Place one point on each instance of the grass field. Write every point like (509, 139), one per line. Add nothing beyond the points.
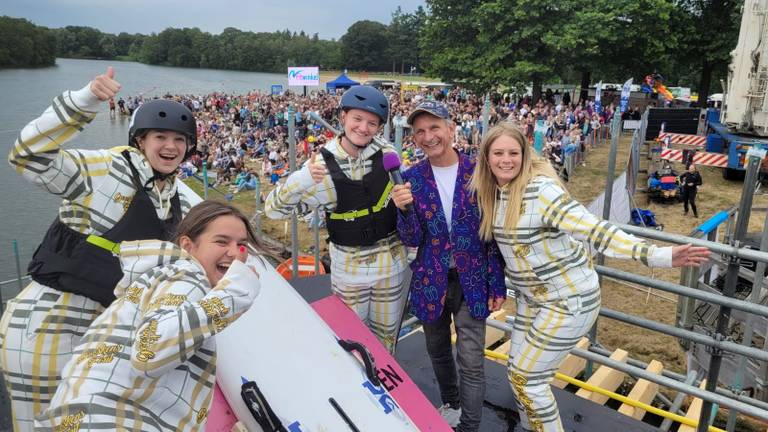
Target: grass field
(716, 194)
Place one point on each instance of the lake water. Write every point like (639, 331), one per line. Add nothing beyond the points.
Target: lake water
(26, 211)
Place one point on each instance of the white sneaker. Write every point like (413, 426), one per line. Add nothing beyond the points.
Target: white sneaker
(450, 415)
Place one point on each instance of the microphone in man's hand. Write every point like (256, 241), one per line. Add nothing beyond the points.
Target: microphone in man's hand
(392, 165)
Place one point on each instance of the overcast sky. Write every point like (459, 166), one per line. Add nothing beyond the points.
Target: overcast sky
(330, 19)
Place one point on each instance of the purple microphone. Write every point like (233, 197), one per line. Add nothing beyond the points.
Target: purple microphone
(392, 165)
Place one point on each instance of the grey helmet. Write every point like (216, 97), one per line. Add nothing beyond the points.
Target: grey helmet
(162, 114)
(366, 98)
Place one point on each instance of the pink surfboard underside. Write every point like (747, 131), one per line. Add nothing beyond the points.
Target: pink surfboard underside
(221, 418)
(347, 325)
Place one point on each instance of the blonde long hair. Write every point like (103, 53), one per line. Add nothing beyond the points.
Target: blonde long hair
(483, 182)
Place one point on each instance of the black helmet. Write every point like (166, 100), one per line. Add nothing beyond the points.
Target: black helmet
(162, 114)
(366, 98)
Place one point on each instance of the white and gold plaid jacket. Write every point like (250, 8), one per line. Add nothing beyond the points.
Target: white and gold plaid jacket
(95, 185)
(358, 265)
(545, 257)
(149, 361)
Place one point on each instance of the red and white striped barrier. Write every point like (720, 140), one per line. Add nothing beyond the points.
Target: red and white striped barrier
(685, 139)
(699, 158)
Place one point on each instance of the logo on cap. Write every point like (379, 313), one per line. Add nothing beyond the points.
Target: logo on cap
(437, 109)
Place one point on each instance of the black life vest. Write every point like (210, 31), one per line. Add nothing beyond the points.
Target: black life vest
(67, 262)
(364, 211)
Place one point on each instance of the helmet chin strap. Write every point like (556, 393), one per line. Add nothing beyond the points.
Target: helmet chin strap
(158, 176)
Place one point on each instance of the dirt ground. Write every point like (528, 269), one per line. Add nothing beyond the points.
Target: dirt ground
(714, 195)
(586, 184)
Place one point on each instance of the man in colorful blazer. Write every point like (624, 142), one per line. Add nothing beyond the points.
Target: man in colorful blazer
(456, 276)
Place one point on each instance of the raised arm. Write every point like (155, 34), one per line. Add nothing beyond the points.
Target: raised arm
(177, 318)
(38, 155)
(306, 186)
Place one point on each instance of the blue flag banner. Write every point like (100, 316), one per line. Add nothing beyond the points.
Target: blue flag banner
(538, 135)
(626, 89)
(598, 91)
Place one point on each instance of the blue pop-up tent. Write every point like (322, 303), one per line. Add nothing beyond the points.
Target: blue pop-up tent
(342, 81)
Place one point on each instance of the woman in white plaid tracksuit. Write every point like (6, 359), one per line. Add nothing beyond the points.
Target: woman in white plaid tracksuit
(539, 229)
(148, 363)
(123, 193)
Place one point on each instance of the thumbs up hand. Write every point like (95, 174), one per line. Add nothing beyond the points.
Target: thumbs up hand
(104, 86)
(317, 170)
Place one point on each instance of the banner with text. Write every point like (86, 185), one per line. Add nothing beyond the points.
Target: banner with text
(304, 76)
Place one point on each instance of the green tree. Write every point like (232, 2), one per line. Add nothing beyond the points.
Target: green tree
(190, 47)
(23, 44)
(613, 39)
(487, 44)
(108, 46)
(449, 42)
(83, 42)
(365, 46)
(405, 32)
(151, 52)
(709, 30)
(126, 44)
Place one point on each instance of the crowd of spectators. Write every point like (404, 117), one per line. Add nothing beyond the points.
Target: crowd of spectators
(244, 138)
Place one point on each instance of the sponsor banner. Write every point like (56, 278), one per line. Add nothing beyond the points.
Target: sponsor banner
(304, 76)
(626, 89)
(598, 104)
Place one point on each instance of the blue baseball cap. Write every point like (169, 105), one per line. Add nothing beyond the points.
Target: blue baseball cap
(437, 109)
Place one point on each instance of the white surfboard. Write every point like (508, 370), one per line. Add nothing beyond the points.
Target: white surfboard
(309, 382)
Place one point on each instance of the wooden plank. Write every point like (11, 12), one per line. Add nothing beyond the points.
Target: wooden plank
(572, 365)
(644, 391)
(694, 410)
(492, 334)
(605, 378)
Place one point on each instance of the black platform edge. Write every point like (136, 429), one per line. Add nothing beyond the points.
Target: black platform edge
(499, 411)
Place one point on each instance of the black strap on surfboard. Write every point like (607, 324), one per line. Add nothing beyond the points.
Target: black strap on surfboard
(343, 415)
(370, 365)
(259, 407)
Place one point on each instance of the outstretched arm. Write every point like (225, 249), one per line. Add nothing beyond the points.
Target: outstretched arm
(38, 154)
(566, 214)
(689, 256)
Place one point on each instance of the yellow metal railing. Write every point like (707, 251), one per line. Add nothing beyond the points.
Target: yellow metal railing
(615, 396)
